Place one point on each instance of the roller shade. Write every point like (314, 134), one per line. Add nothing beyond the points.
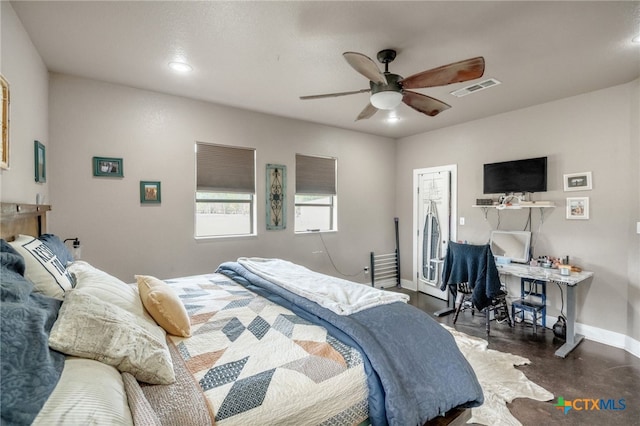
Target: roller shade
(315, 175)
(225, 169)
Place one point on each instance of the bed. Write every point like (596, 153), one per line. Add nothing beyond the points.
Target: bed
(241, 345)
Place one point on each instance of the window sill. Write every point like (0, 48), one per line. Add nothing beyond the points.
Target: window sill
(224, 237)
(316, 231)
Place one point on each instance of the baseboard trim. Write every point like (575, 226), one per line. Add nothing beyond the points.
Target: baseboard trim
(607, 337)
(610, 338)
(389, 284)
(409, 285)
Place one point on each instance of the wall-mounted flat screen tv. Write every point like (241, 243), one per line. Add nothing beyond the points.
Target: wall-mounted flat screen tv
(529, 175)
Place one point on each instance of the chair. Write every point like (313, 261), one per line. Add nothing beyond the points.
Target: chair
(471, 275)
(498, 306)
(533, 299)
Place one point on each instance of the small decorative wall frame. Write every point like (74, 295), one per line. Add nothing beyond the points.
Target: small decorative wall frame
(40, 162)
(578, 208)
(4, 116)
(150, 192)
(577, 181)
(108, 167)
(276, 196)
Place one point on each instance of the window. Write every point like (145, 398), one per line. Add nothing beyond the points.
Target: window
(225, 190)
(315, 199)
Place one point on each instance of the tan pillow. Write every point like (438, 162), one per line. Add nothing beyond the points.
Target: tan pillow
(89, 327)
(164, 305)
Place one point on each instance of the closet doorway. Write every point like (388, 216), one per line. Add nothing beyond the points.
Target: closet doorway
(434, 214)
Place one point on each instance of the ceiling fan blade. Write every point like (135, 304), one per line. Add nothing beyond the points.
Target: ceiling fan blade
(365, 66)
(424, 104)
(334, 95)
(367, 112)
(457, 72)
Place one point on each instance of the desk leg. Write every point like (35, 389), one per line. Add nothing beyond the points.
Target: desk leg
(573, 339)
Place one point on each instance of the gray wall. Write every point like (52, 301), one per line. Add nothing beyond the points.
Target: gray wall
(28, 83)
(77, 119)
(595, 132)
(155, 135)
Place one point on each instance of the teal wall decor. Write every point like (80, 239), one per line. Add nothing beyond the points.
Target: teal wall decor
(40, 162)
(150, 192)
(276, 196)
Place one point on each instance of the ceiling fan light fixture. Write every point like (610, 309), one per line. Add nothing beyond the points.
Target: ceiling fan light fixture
(386, 100)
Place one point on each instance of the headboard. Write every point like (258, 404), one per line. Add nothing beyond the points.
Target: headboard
(27, 219)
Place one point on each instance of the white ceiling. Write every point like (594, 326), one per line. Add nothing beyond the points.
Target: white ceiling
(262, 56)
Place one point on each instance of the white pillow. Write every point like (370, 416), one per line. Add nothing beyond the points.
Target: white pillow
(43, 268)
(88, 392)
(107, 288)
(89, 327)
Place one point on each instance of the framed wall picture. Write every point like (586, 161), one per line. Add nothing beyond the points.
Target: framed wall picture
(108, 167)
(276, 184)
(4, 116)
(577, 181)
(578, 208)
(40, 162)
(150, 192)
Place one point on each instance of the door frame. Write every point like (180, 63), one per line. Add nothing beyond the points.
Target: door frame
(453, 225)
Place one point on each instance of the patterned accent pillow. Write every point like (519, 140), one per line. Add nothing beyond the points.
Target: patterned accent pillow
(44, 269)
(164, 305)
(58, 247)
(89, 327)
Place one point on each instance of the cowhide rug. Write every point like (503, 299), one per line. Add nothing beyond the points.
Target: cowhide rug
(500, 381)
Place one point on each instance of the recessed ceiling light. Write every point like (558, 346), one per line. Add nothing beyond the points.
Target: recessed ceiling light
(636, 39)
(180, 66)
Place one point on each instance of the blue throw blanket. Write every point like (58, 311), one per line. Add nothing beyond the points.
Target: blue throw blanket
(414, 369)
(473, 264)
(30, 370)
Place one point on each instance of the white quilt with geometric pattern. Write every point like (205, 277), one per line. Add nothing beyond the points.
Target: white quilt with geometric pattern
(259, 363)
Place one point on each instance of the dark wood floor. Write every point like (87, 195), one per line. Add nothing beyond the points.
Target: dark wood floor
(591, 371)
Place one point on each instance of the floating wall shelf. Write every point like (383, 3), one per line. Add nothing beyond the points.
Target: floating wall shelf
(528, 205)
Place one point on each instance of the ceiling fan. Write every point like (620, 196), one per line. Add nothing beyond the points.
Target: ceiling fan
(389, 90)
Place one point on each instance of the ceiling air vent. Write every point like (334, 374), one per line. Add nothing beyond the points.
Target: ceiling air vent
(476, 87)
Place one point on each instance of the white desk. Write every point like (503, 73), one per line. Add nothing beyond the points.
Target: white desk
(553, 276)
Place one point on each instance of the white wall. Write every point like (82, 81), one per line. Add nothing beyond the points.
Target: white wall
(595, 132)
(155, 136)
(28, 84)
